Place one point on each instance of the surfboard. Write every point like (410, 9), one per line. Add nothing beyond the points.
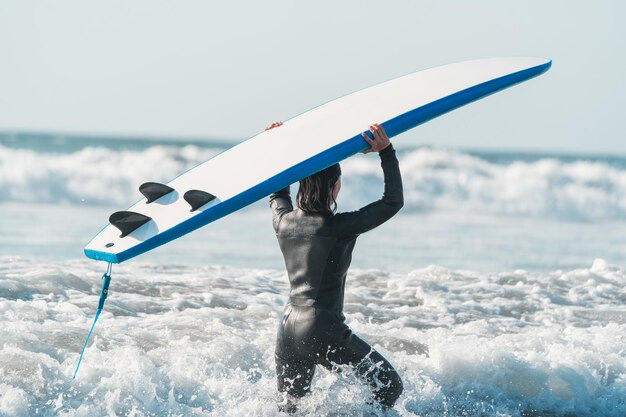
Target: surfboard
(305, 144)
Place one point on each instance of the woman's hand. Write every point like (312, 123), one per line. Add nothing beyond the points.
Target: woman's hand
(273, 125)
(380, 141)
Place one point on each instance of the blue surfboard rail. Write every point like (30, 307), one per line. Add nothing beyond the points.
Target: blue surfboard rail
(343, 150)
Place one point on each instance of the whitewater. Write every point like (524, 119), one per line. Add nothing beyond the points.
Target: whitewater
(434, 179)
(499, 290)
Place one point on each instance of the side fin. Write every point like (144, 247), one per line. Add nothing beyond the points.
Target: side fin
(197, 198)
(153, 190)
(128, 221)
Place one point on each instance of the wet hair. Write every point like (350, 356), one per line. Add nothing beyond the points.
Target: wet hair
(315, 193)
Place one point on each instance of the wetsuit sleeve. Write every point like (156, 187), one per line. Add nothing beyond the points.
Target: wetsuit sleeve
(280, 202)
(378, 212)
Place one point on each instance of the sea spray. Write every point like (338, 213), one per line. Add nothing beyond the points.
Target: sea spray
(177, 340)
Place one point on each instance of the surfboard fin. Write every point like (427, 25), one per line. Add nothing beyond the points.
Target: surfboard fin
(128, 221)
(197, 198)
(153, 191)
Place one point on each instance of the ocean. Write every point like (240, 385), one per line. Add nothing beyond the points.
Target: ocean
(498, 290)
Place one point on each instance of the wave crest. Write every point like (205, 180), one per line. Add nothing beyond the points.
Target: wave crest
(92, 175)
(434, 179)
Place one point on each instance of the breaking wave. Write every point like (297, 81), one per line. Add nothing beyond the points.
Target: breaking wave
(434, 179)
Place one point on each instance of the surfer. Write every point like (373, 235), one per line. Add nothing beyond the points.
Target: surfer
(317, 245)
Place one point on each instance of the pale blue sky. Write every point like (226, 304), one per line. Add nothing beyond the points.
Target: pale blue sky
(228, 68)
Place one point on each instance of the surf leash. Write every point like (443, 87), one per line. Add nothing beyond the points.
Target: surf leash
(106, 280)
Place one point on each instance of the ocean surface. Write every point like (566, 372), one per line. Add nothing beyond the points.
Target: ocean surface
(498, 290)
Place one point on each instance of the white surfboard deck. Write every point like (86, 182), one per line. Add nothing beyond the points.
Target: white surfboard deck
(308, 143)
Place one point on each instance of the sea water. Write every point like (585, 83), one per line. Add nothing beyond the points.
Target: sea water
(499, 289)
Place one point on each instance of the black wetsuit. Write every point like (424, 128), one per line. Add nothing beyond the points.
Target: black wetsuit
(318, 251)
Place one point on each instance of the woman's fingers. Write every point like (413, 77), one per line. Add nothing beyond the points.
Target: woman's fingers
(374, 141)
(369, 141)
(273, 125)
(379, 141)
(376, 132)
(382, 136)
(381, 131)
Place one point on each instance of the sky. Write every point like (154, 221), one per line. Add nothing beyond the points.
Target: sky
(226, 69)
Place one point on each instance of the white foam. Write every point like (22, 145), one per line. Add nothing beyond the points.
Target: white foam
(434, 179)
(177, 340)
(93, 175)
(447, 180)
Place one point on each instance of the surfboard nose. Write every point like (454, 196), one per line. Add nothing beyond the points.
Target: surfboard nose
(541, 65)
(546, 63)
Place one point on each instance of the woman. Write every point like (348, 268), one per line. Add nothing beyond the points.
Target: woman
(317, 246)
